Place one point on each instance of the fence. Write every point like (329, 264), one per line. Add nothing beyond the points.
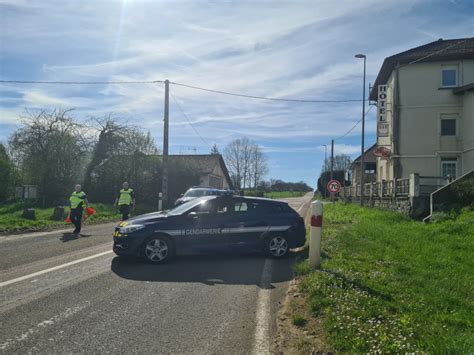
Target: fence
(415, 185)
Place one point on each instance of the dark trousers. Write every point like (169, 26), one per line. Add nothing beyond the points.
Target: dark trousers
(125, 211)
(76, 219)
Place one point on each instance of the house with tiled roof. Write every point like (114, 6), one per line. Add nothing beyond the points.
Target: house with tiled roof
(211, 167)
(425, 116)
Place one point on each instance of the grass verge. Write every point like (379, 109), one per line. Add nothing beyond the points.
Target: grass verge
(284, 194)
(11, 220)
(390, 284)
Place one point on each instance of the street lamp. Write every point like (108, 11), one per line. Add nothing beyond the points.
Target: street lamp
(362, 170)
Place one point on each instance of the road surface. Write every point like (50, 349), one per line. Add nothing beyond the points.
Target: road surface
(61, 295)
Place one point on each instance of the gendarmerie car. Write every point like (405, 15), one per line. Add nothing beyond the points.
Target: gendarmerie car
(212, 223)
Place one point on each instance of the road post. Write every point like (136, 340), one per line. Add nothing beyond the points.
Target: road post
(160, 201)
(316, 231)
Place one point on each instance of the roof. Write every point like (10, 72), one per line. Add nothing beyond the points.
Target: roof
(205, 162)
(369, 156)
(462, 89)
(440, 50)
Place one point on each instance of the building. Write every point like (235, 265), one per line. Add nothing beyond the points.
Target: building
(370, 162)
(425, 113)
(212, 169)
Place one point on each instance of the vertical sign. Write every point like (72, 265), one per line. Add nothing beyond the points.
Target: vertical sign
(382, 104)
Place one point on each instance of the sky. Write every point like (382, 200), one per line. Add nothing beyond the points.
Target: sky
(283, 49)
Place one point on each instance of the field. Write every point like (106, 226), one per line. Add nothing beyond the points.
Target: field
(11, 220)
(284, 194)
(390, 284)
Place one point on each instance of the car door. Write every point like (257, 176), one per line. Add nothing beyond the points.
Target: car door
(249, 221)
(204, 225)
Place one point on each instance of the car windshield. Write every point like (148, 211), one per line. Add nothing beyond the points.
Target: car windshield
(185, 207)
(195, 193)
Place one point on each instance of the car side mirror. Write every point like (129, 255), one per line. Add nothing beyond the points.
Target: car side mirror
(192, 215)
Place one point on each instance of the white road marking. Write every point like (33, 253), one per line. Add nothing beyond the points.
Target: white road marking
(262, 316)
(69, 312)
(26, 277)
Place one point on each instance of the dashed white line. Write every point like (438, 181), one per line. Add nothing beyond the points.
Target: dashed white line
(262, 316)
(38, 273)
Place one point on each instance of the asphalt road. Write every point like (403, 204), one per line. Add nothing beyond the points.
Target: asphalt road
(62, 295)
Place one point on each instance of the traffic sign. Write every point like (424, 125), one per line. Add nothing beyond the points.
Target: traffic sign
(334, 186)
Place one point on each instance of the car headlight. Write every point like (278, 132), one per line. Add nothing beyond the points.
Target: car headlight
(131, 228)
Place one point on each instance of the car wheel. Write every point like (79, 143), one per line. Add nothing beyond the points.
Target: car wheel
(158, 250)
(277, 246)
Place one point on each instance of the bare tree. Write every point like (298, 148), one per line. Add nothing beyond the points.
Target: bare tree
(246, 162)
(258, 167)
(342, 162)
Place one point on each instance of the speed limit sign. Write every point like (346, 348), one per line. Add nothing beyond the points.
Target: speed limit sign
(334, 186)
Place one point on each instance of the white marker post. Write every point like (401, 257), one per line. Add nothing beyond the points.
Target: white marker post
(315, 234)
(160, 201)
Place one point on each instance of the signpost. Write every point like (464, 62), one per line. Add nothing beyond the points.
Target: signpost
(382, 152)
(334, 186)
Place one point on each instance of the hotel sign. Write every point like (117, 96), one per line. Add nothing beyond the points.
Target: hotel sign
(382, 104)
(383, 128)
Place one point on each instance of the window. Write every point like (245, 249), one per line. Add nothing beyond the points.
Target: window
(370, 168)
(448, 127)
(449, 76)
(240, 207)
(449, 167)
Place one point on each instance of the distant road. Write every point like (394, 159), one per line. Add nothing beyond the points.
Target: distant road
(74, 296)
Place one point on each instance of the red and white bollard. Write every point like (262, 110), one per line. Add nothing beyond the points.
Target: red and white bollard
(315, 234)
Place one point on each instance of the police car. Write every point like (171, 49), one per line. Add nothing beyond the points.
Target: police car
(212, 223)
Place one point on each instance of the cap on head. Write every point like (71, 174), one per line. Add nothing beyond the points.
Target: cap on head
(78, 187)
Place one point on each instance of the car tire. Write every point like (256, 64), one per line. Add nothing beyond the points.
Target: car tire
(277, 246)
(158, 249)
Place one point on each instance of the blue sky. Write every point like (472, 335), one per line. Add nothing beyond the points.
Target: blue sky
(286, 49)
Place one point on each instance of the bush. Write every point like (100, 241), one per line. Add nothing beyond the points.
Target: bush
(464, 192)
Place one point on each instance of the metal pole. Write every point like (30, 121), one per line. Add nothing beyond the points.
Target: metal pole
(332, 158)
(332, 166)
(362, 150)
(164, 181)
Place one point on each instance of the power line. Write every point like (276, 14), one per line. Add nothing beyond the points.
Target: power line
(354, 126)
(79, 82)
(189, 121)
(261, 97)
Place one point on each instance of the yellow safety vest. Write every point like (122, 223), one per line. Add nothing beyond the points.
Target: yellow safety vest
(125, 197)
(76, 199)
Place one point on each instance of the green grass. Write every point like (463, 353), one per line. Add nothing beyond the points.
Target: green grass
(298, 320)
(390, 284)
(284, 194)
(11, 220)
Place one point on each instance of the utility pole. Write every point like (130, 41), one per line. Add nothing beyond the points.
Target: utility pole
(164, 178)
(332, 166)
(362, 167)
(332, 158)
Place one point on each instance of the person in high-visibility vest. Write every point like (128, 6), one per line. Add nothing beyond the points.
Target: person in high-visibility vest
(125, 200)
(77, 202)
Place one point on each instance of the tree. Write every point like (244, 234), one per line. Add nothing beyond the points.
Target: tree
(50, 149)
(7, 174)
(258, 166)
(122, 153)
(341, 162)
(215, 150)
(246, 162)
